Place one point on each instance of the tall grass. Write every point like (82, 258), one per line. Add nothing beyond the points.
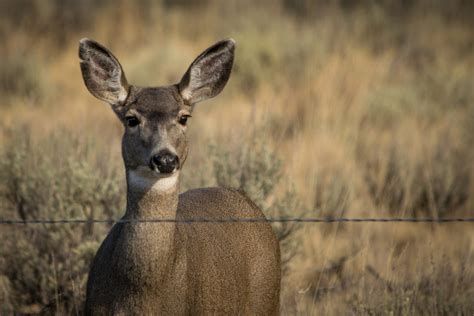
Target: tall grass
(333, 109)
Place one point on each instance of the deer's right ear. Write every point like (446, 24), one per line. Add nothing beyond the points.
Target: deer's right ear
(102, 73)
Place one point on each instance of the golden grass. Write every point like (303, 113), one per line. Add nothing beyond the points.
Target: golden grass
(372, 115)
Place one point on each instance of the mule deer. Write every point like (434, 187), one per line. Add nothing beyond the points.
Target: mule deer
(175, 268)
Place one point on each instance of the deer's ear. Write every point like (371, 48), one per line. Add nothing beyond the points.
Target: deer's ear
(102, 73)
(208, 74)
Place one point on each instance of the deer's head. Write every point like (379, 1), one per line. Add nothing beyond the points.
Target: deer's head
(155, 144)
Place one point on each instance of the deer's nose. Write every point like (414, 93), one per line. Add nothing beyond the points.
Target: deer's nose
(165, 161)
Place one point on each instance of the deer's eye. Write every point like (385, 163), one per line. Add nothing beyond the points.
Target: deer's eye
(132, 121)
(183, 119)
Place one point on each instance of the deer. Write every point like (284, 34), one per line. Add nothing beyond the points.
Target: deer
(175, 267)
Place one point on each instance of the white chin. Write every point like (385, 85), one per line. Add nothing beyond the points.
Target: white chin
(147, 179)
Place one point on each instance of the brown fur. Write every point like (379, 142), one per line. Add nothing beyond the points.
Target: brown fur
(176, 268)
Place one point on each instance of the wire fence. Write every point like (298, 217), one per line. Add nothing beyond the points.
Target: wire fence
(241, 220)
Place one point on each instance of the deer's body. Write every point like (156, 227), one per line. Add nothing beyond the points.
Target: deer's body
(204, 268)
(176, 268)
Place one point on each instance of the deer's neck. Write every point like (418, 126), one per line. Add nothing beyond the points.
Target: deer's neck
(149, 246)
(151, 197)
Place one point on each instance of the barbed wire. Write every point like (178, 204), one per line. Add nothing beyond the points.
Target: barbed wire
(241, 220)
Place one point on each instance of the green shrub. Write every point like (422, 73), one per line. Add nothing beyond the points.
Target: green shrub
(46, 265)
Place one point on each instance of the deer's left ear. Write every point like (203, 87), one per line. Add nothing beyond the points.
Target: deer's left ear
(209, 73)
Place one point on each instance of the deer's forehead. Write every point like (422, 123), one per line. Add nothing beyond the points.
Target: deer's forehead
(157, 101)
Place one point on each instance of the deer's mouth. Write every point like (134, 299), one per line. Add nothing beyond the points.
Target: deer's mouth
(152, 173)
(164, 173)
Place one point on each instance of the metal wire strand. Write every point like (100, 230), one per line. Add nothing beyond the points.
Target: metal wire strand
(241, 220)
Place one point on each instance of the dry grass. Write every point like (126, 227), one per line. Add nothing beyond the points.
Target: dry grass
(369, 108)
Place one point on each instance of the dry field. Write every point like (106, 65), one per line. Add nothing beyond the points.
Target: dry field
(334, 108)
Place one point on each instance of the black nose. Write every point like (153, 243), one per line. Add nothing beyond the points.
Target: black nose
(165, 161)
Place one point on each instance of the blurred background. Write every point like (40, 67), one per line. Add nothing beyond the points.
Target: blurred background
(334, 108)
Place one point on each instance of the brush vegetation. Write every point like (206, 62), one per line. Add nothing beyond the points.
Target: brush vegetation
(334, 108)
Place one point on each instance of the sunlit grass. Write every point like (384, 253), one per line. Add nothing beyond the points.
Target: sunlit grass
(369, 111)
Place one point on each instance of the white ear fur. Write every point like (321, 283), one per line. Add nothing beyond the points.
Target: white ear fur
(102, 73)
(209, 72)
